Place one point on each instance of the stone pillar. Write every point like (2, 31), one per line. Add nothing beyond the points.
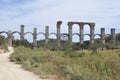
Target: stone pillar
(81, 33)
(22, 32)
(92, 33)
(46, 34)
(113, 36)
(103, 35)
(9, 38)
(58, 32)
(70, 32)
(35, 38)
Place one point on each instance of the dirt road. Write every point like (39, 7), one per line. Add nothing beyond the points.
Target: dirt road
(11, 71)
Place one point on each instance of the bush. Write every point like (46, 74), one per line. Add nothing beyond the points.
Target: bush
(69, 65)
(110, 46)
(74, 54)
(3, 43)
(94, 48)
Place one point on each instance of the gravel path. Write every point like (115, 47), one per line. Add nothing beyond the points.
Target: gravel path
(11, 71)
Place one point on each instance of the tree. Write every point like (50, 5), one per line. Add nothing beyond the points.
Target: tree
(3, 43)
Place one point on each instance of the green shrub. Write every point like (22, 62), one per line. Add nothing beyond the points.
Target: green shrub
(110, 46)
(72, 54)
(3, 43)
(68, 65)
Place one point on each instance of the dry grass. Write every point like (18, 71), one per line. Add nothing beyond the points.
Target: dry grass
(71, 65)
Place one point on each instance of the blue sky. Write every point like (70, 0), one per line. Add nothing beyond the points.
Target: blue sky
(41, 13)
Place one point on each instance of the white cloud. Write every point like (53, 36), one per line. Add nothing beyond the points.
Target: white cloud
(39, 13)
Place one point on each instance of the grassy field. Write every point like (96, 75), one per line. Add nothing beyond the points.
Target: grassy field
(70, 65)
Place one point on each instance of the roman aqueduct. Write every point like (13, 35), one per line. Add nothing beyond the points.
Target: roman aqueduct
(59, 34)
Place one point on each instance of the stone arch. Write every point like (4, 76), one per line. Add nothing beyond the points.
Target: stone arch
(29, 33)
(16, 32)
(52, 38)
(40, 39)
(4, 32)
(53, 34)
(75, 34)
(91, 25)
(87, 39)
(81, 25)
(40, 34)
(15, 37)
(75, 28)
(70, 25)
(88, 36)
(97, 35)
(98, 38)
(64, 34)
(86, 29)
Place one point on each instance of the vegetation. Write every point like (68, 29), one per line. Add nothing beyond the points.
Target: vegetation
(65, 44)
(70, 65)
(24, 43)
(3, 43)
(52, 45)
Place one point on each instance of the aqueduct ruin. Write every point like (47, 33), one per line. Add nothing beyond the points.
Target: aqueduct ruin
(59, 34)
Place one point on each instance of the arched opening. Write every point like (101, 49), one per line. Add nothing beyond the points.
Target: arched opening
(16, 39)
(28, 40)
(29, 37)
(87, 40)
(76, 42)
(65, 44)
(16, 36)
(97, 39)
(53, 36)
(52, 41)
(86, 37)
(75, 38)
(107, 38)
(4, 35)
(64, 37)
(86, 31)
(40, 40)
(41, 37)
(75, 28)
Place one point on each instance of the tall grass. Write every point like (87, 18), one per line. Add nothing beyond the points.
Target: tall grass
(70, 65)
(3, 43)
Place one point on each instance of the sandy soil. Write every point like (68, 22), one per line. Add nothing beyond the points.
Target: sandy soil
(12, 71)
